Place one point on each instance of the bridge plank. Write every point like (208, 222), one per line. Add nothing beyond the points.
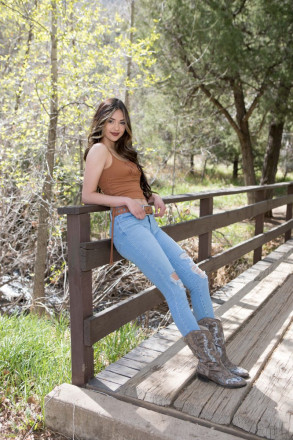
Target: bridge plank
(155, 383)
(248, 279)
(143, 355)
(251, 347)
(123, 370)
(267, 410)
(130, 363)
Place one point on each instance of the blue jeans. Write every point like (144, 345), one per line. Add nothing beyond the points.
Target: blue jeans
(167, 266)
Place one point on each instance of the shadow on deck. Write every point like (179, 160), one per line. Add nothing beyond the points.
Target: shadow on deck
(153, 392)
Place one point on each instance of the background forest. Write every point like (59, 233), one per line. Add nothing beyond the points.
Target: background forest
(209, 88)
(207, 83)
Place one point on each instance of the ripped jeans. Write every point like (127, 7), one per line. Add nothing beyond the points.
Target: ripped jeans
(167, 266)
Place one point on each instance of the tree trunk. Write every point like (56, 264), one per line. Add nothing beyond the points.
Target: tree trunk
(44, 211)
(203, 171)
(244, 137)
(129, 59)
(272, 158)
(235, 167)
(26, 56)
(272, 155)
(274, 144)
(191, 171)
(242, 117)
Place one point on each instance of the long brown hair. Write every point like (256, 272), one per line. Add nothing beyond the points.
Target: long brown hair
(123, 146)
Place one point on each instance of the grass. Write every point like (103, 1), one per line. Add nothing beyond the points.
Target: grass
(35, 357)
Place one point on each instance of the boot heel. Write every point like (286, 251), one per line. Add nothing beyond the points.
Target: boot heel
(202, 377)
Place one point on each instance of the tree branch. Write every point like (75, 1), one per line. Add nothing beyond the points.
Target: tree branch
(239, 10)
(254, 103)
(222, 109)
(24, 16)
(205, 90)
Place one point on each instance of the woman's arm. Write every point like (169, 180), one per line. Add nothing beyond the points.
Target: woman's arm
(95, 163)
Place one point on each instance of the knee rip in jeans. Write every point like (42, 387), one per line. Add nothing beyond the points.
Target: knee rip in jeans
(194, 267)
(176, 280)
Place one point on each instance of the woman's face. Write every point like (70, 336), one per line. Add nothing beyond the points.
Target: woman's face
(114, 128)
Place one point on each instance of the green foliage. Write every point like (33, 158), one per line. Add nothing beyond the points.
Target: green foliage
(116, 345)
(93, 49)
(208, 47)
(35, 357)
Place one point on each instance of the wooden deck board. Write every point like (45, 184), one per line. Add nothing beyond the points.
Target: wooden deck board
(136, 365)
(123, 370)
(251, 347)
(157, 344)
(249, 279)
(143, 355)
(268, 408)
(156, 382)
(256, 317)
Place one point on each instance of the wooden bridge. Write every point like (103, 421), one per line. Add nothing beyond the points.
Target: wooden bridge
(153, 392)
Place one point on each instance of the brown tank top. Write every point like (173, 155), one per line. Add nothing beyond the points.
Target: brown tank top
(121, 179)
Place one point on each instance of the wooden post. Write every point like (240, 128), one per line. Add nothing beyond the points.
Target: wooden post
(259, 222)
(205, 240)
(289, 213)
(81, 307)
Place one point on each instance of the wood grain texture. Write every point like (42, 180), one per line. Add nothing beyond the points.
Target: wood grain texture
(155, 383)
(219, 260)
(267, 410)
(248, 279)
(251, 347)
(158, 381)
(101, 324)
(289, 213)
(81, 306)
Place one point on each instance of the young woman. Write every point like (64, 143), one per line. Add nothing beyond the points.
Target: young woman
(113, 177)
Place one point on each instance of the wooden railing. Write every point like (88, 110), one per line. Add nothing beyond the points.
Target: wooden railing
(84, 255)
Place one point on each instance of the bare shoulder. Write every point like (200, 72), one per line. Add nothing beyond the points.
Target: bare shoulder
(98, 149)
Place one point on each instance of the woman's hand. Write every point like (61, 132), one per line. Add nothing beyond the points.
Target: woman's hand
(136, 209)
(160, 206)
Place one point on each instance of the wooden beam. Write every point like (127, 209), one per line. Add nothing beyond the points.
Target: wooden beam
(80, 287)
(289, 213)
(241, 249)
(258, 229)
(101, 324)
(82, 209)
(97, 253)
(205, 240)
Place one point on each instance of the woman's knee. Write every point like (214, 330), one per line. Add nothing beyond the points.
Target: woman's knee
(176, 280)
(193, 266)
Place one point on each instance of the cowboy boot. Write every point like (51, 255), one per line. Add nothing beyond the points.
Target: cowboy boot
(210, 366)
(215, 327)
